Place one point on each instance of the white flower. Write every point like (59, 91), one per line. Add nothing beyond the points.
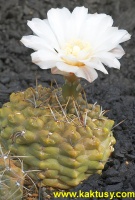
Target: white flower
(75, 43)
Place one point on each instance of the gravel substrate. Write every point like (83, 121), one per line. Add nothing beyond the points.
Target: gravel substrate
(114, 92)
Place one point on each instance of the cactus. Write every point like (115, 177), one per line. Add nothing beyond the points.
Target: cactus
(61, 140)
(11, 179)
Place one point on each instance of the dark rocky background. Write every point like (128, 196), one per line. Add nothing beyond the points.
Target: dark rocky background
(114, 92)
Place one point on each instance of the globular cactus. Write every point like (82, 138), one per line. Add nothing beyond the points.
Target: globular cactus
(65, 139)
(11, 179)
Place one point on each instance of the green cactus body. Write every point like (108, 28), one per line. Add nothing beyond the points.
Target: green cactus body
(11, 180)
(66, 140)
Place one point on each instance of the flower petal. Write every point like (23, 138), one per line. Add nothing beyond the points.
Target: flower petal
(45, 58)
(58, 18)
(87, 73)
(126, 36)
(96, 64)
(43, 30)
(35, 42)
(65, 67)
(111, 38)
(109, 60)
(55, 70)
(70, 59)
(118, 52)
(76, 22)
(94, 23)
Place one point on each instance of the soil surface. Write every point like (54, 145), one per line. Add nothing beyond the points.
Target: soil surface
(114, 92)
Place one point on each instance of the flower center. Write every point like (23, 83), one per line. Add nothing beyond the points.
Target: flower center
(74, 47)
(74, 51)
